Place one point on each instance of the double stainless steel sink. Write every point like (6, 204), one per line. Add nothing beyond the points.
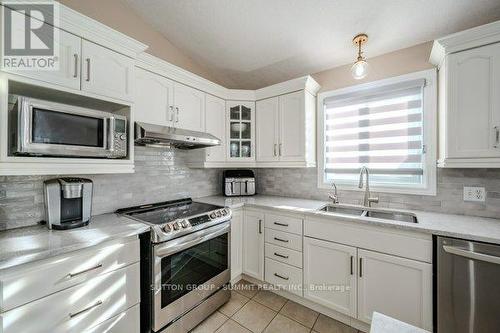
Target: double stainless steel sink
(391, 215)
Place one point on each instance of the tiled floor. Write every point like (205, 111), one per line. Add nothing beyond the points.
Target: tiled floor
(251, 310)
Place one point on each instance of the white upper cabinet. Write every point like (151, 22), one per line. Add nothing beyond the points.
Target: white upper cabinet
(286, 130)
(154, 95)
(215, 124)
(330, 264)
(189, 108)
(469, 102)
(397, 287)
(106, 72)
(240, 131)
(267, 134)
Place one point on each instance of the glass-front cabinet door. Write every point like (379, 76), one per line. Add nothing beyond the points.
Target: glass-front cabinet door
(241, 120)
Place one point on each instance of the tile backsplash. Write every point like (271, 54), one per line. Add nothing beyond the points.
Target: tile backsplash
(302, 183)
(159, 175)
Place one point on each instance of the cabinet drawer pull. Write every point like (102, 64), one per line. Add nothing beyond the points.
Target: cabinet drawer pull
(281, 224)
(72, 275)
(281, 277)
(280, 255)
(279, 148)
(260, 226)
(73, 315)
(281, 240)
(171, 108)
(88, 69)
(75, 74)
(177, 111)
(352, 265)
(497, 137)
(275, 154)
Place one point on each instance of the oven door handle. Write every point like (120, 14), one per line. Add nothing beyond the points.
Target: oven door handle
(186, 242)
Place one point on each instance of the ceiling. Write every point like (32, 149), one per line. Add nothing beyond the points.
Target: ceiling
(249, 44)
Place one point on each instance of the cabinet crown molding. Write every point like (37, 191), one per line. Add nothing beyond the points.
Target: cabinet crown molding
(83, 26)
(463, 40)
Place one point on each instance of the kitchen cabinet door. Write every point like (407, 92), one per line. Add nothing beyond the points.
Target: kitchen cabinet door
(106, 72)
(154, 96)
(68, 72)
(292, 127)
(473, 112)
(236, 244)
(189, 108)
(397, 287)
(267, 128)
(240, 131)
(215, 124)
(253, 244)
(330, 275)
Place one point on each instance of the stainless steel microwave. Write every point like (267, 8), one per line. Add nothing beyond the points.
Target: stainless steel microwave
(43, 128)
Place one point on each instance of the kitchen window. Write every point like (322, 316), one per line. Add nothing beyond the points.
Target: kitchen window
(388, 126)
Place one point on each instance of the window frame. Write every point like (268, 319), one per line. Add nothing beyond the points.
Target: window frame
(430, 118)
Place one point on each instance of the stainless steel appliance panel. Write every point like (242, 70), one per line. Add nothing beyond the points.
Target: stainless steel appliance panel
(468, 288)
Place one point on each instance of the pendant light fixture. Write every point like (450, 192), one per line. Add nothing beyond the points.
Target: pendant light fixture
(360, 68)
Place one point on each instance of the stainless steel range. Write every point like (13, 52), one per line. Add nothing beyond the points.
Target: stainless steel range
(188, 261)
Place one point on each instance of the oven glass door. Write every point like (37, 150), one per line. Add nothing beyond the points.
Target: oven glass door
(188, 269)
(59, 128)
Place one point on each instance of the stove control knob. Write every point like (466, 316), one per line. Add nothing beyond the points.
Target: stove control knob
(176, 225)
(225, 211)
(217, 213)
(212, 216)
(167, 228)
(185, 224)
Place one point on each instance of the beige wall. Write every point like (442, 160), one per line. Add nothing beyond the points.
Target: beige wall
(117, 15)
(396, 63)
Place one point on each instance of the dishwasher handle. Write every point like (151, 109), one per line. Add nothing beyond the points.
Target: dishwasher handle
(471, 254)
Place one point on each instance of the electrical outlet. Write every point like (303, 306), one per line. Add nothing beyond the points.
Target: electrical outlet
(477, 194)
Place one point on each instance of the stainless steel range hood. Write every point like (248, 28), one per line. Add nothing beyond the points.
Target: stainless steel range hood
(165, 136)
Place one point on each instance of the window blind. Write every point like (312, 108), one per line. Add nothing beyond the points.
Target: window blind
(380, 128)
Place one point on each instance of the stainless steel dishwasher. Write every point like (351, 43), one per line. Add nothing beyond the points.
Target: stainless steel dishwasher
(468, 286)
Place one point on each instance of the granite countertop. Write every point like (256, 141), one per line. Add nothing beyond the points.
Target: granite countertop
(459, 226)
(384, 324)
(27, 244)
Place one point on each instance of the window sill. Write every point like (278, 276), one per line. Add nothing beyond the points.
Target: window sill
(383, 189)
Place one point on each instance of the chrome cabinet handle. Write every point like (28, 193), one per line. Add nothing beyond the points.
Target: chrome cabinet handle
(96, 304)
(281, 240)
(88, 69)
(497, 137)
(260, 226)
(177, 111)
(360, 267)
(75, 74)
(471, 254)
(281, 277)
(275, 146)
(280, 255)
(279, 148)
(352, 265)
(171, 108)
(281, 224)
(72, 275)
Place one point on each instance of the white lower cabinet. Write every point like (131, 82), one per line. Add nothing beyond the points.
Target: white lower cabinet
(284, 276)
(78, 308)
(128, 321)
(236, 244)
(330, 275)
(253, 244)
(397, 287)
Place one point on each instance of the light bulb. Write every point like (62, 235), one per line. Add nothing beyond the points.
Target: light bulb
(360, 69)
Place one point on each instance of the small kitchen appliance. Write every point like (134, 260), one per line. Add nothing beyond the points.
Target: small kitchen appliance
(68, 202)
(238, 183)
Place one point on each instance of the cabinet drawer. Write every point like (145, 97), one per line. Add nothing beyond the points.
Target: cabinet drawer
(128, 321)
(78, 308)
(402, 243)
(284, 223)
(284, 276)
(29, 282)
(284, 239)
(284, 255)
